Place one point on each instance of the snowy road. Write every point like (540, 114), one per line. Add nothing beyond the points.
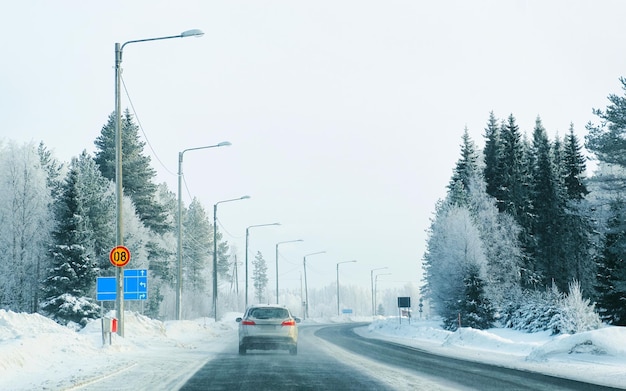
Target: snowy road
(329, 358)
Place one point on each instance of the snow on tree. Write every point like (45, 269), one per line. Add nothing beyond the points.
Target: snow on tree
(499, 233)
(475, 310)
(25, 225)
(71, 279)
(197, 242)
(259, 277)
(576, 314)
(453, 246)
(555, 311)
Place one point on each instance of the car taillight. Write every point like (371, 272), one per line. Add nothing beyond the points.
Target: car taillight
(290, 322)
(248, 322)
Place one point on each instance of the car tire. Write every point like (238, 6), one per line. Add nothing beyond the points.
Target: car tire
(242, 349)
(293, 350)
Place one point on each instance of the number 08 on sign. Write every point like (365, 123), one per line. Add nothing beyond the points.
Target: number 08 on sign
(119, 256)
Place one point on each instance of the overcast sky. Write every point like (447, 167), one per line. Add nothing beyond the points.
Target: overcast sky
(345, 117)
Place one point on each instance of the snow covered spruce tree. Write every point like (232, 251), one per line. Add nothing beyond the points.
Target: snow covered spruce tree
(259, 277)
(68, 289)
(476, 310)
(197, 242)
(454, 248)
(470, 241)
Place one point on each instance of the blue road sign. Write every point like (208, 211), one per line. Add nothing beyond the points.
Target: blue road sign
(135, 286)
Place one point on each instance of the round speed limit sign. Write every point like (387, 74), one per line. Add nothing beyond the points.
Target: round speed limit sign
(119, 256)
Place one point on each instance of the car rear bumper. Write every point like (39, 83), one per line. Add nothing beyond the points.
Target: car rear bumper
(267, 342)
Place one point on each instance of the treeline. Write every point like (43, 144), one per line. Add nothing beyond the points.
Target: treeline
(524, 237)
(59, 221)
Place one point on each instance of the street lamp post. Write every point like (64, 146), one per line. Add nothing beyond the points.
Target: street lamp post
(247, 234)
(179, 278)
(215, 250)
(119, 236)
(306, 288)
(376, 285)
(339, 263)
(277, 244)
(372, 282)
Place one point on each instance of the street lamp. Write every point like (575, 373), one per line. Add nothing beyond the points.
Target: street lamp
(215, 251)
(179, 279)
(339, 263)
(119, 237)
(376, 285)
(247, 233)
(288, 241)
(306, 288)
(372, 282)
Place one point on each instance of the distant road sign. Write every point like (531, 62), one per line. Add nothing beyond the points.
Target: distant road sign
(135, 286)
(119, 256)
(346, 311)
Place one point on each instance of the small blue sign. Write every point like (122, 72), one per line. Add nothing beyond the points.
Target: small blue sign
(135, 286)
(105, 289)
(346, 311)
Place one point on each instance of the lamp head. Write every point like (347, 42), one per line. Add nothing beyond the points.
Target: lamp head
(224, 144)
(192, 33)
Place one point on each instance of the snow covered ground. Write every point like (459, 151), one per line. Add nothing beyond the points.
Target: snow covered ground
(38, 354)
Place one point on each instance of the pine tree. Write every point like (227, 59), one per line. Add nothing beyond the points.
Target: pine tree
(137, 174)
(259, 276)
(499, 233)
(579, 234)
(98, 196)
(611, 282)
(548, 216)
(70, 282)
(491, 156)
(196, 247)
(574, 166)
(513, 191)
(475, 309)
(465, 169)
(608, 141)
(454, 242)
(53, 168)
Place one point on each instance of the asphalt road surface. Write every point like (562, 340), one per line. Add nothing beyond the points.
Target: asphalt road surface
(335, 358)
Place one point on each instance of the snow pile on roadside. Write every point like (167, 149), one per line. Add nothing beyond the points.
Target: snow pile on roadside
(34, 350)
(597, 356)
(27, 339)
(608, 341)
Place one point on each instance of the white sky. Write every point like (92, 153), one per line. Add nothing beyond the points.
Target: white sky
(36, 353)
(345, 116)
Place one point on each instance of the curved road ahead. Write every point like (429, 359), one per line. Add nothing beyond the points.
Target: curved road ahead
(335, 358)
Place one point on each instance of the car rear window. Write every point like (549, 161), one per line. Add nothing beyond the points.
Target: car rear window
(269, 313)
